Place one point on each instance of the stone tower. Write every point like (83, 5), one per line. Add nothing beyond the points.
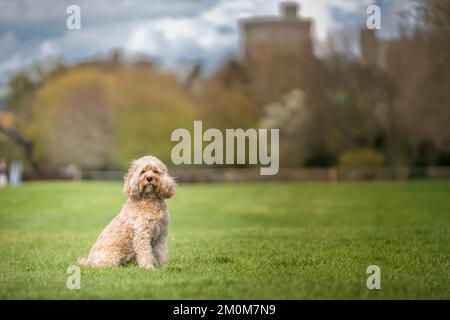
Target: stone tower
(276, 51)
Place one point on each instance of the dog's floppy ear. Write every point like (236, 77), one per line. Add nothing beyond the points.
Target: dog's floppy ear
(166, 187)
(130, 185)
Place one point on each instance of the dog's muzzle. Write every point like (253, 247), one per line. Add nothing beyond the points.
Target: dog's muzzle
(149, 187)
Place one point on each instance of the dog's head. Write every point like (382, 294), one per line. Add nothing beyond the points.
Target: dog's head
(148, 177)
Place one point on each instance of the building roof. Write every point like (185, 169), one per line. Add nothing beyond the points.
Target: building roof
(289, 15)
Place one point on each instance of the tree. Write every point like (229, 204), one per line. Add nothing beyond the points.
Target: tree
(71, 120)
(225, 98)
(146, 107)
(419, 69)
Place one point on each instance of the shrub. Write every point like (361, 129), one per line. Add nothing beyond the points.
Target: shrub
(361, 158)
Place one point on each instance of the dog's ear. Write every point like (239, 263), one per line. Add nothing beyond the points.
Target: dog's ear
(166, 188)
(130, 184)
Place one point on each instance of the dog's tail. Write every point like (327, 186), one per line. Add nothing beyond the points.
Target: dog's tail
(82, 261)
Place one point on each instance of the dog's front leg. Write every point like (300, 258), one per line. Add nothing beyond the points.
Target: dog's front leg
(142, 245)
(161, 251)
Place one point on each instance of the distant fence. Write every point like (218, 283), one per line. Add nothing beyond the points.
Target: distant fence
(237, 175)
(311, 174)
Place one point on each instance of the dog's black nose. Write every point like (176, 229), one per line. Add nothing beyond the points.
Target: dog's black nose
(149, 179)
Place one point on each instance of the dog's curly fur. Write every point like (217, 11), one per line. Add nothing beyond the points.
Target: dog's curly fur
(139, 231)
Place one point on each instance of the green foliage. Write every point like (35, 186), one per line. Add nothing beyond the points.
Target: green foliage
(297, 241)
(365, 158)
(98, 119)
(9, 150)
(71, 120)
(146, 108)
(23, 86)
(226, 101)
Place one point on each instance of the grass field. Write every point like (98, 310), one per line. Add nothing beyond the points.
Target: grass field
(245, 241)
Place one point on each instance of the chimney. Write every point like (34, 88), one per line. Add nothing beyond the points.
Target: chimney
(289, 9)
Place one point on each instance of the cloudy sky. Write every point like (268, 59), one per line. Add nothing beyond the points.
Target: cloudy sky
(173, 32)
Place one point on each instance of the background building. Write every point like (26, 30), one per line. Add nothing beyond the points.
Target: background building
(277, 50)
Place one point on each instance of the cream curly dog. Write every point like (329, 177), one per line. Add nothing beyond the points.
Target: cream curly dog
(139, 231)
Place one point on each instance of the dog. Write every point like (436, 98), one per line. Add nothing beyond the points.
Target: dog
(139, 232)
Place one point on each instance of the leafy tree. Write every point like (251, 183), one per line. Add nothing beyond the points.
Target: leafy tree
(71, 120)
(146, 107)
(225, 98)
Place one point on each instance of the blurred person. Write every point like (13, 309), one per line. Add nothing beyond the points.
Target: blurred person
(73, 172)
(3, 176)
(15, 173)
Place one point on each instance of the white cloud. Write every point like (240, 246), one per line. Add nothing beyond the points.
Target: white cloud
(320, 12)
(48, 49)
(173, 40)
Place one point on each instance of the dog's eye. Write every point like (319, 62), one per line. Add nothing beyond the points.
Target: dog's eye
(156, 172)
(142, 171)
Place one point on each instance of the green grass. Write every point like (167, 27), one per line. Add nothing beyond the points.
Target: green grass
(244, 241)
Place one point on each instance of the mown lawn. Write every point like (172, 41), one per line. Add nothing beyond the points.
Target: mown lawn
(244, 241)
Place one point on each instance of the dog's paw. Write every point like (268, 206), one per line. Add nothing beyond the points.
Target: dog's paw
(148, 266)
